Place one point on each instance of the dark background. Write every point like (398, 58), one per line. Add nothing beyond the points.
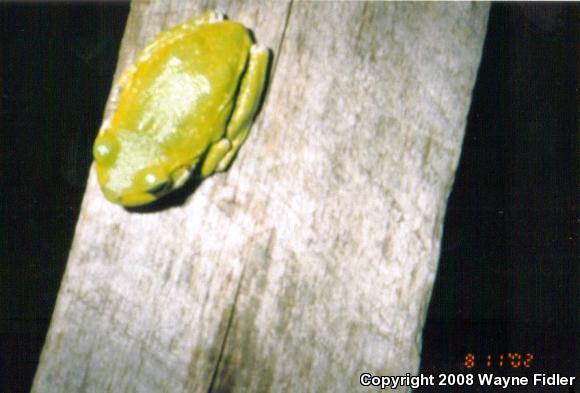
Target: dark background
(508, 275)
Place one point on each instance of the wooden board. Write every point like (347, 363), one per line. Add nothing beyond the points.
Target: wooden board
(312, 260)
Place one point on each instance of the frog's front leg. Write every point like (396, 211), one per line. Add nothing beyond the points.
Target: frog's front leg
(221, 153)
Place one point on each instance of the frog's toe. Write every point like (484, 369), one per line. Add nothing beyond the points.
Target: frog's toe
(257, 49)
(216, 16)
(215, 154)
(180, 175)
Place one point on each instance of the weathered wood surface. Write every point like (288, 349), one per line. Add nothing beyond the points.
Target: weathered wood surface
(312, 260)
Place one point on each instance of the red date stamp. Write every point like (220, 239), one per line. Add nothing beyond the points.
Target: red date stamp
(499, 360)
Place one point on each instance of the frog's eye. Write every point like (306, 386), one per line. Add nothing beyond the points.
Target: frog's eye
(105, 150)
(161, 189)
(154, 180)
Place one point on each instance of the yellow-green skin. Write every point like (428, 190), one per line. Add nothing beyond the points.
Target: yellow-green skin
(189, 100)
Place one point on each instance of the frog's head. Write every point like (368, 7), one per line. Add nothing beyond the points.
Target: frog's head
(134, 172)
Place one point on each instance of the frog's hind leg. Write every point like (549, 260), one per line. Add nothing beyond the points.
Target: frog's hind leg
(247, 102)
(222, 152)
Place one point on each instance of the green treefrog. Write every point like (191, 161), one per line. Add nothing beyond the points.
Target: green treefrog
(186, 105)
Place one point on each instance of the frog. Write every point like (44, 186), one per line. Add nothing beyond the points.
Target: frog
(184, 107)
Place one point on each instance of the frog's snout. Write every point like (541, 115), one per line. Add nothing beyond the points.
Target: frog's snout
(136, 199)
(111, 195)
(128, 198)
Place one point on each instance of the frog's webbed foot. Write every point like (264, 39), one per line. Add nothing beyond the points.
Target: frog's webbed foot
(221, 153)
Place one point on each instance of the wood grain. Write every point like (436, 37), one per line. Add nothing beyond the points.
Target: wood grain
(312, 259)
